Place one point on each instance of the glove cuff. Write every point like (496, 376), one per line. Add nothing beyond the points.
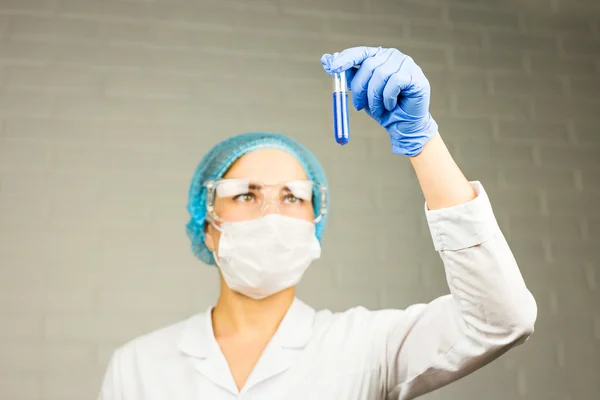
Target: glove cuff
(411, 144)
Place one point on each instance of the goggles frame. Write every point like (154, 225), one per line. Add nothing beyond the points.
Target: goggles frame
(211, 186)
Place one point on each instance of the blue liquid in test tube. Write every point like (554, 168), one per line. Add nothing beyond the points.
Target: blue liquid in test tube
(341, 121)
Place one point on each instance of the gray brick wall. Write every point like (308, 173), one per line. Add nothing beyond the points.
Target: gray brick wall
(107, 106)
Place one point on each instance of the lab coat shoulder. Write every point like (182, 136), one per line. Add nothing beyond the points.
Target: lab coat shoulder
(360, 343)
(356, 322)
(123, 377)
(154, 346)
(357, 336)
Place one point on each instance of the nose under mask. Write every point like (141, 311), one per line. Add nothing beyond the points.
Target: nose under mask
(263, 256)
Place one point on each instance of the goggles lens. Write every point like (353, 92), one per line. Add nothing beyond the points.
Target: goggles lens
(231, 200)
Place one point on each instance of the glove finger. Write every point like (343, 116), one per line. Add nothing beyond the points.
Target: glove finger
(416, 95)
(363, 75)
(326, 61)
(350, 73)
(379, 79)
(351, 57)
(398, 82)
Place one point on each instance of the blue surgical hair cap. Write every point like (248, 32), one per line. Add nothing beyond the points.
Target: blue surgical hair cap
(220, 158)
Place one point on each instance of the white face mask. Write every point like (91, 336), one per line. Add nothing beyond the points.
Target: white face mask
(264, 256)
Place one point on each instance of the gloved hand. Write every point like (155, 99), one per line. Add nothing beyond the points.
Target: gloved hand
(393, 91)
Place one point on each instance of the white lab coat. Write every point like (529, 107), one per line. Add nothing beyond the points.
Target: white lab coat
(358, 353)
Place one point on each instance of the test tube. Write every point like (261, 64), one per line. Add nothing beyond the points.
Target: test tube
(341, 121)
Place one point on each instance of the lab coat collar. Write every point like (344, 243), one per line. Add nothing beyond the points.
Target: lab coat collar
(198, 339)
(296, 326)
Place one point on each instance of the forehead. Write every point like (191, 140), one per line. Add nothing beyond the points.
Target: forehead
(269, 166)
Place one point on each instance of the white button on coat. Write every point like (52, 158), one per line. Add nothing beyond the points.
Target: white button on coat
(356, 354)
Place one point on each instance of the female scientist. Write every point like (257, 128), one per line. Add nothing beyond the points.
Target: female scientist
(258, 206)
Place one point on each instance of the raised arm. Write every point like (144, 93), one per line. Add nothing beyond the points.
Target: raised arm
(490, 309)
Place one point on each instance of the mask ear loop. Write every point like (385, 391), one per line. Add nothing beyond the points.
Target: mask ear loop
(211, 221)
(210, 218)
(214, 254)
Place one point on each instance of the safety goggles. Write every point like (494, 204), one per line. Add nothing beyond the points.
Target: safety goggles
(233, 200)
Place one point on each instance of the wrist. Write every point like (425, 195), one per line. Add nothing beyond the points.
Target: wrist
(411, 142)
(428, 147)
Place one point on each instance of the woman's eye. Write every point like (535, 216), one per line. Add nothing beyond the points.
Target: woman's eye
(245, 197)
(292, 199)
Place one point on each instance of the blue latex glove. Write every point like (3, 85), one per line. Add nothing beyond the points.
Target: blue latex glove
(393, 91)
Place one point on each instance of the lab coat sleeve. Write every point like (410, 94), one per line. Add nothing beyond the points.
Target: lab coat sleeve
(111, 386)
(488, 311)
